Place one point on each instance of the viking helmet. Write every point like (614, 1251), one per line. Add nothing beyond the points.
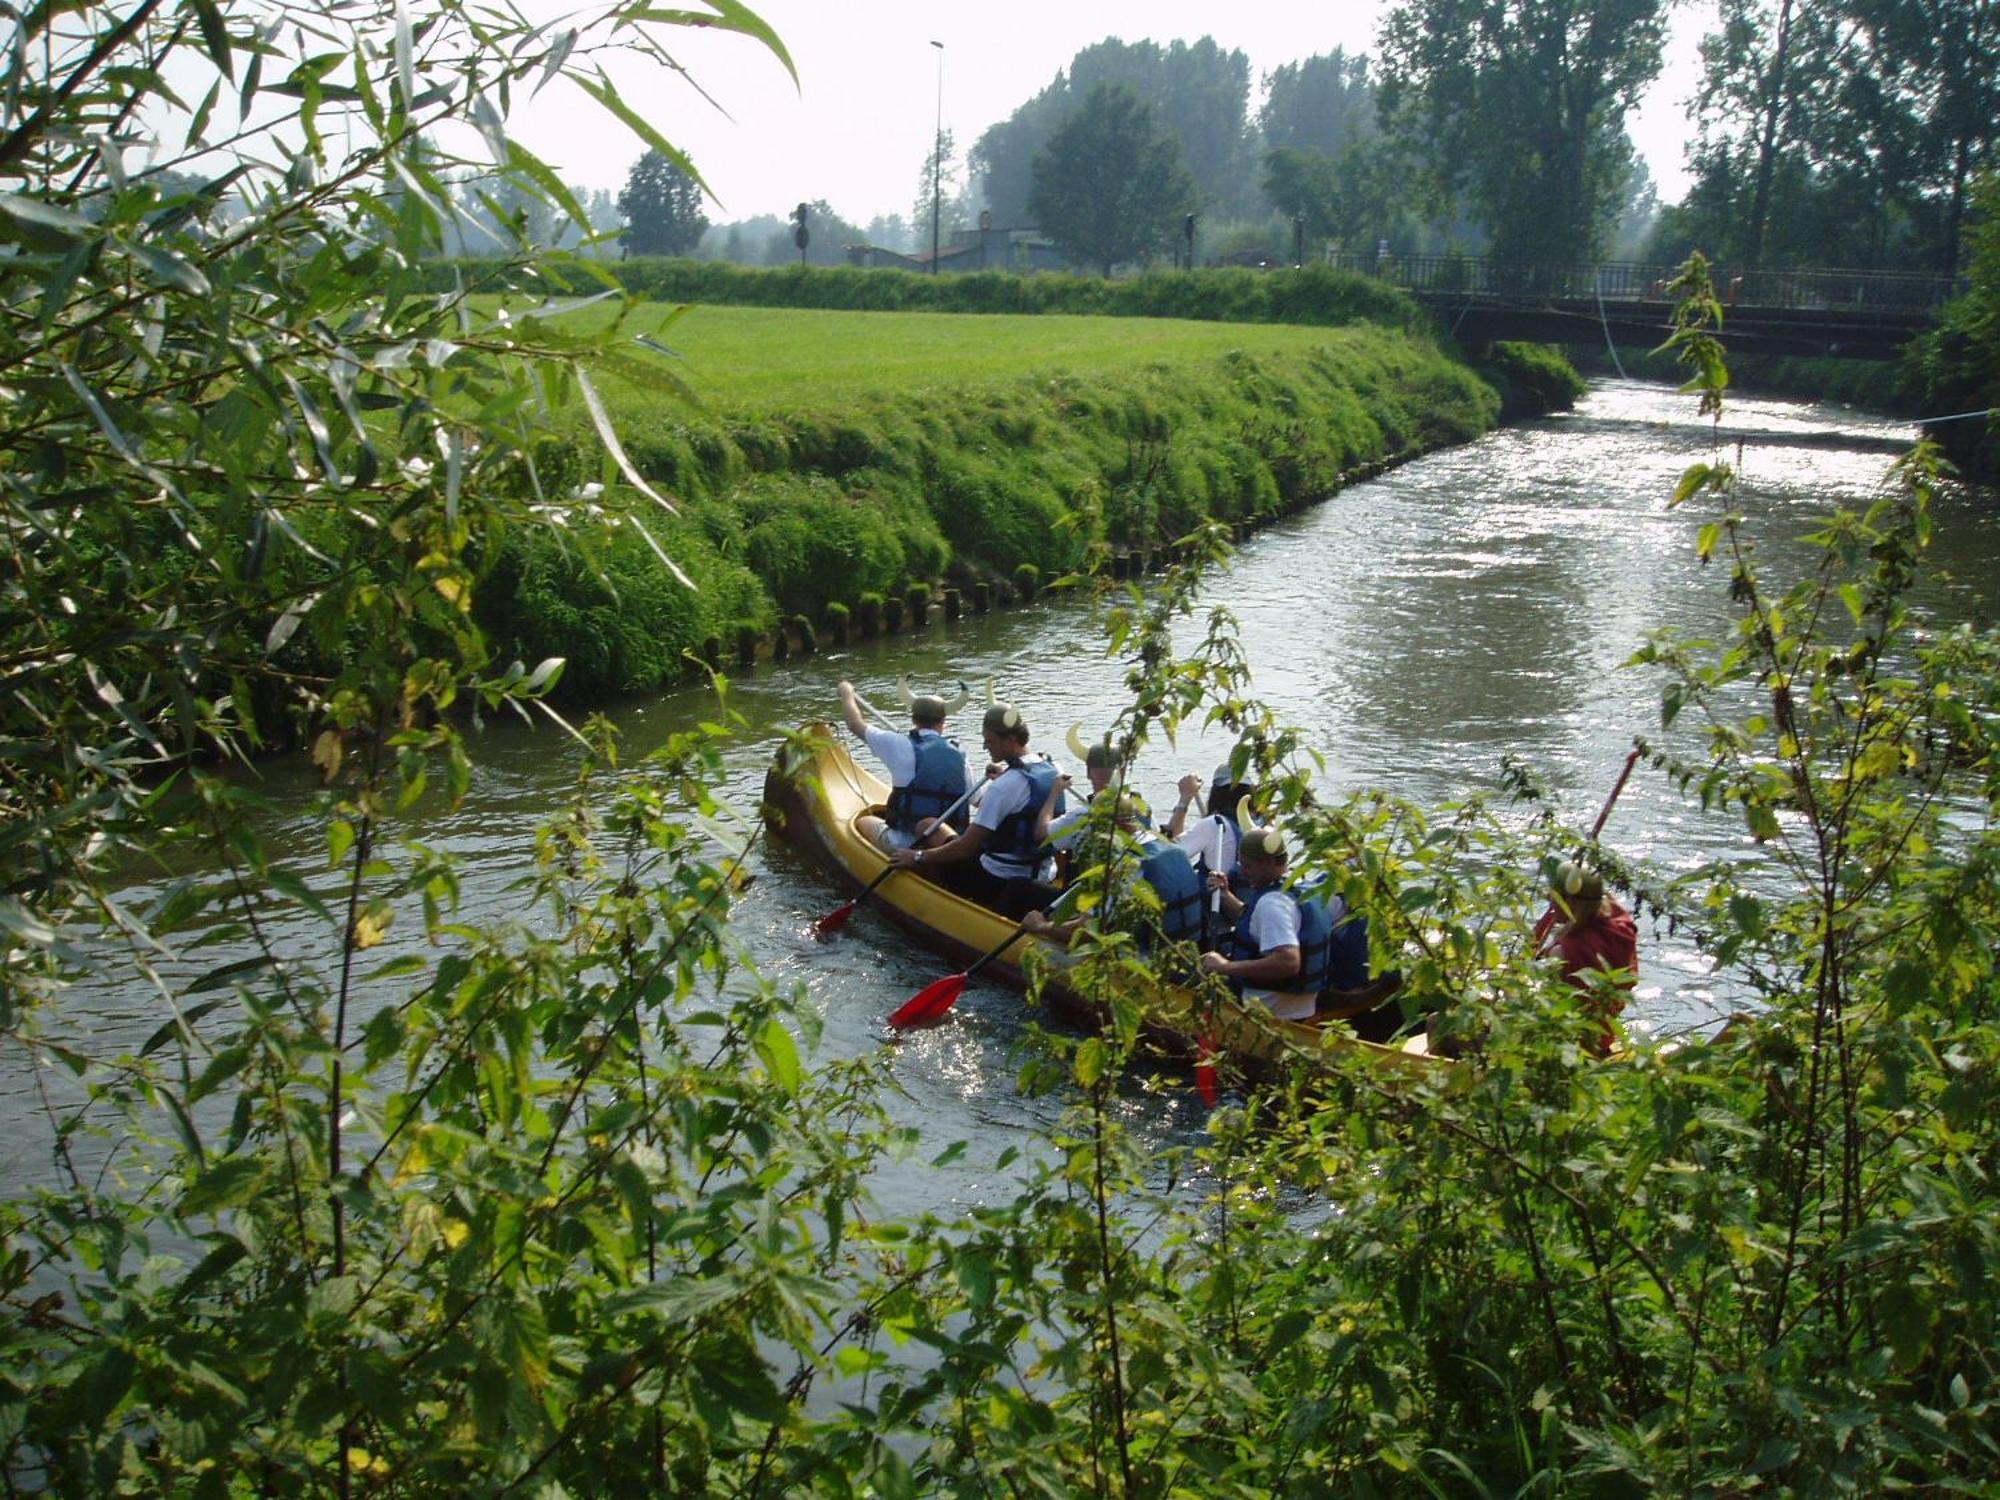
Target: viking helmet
(1004, 718)
(1264, 843)
(1577, 885)
(1096, 757)
(928, 708)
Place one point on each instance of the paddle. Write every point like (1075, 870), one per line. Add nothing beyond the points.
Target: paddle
(1603, 816)
(836, 919)
(1204, 1057)
(933, 1000)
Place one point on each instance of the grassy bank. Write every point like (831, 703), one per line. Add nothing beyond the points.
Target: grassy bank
(841, 460)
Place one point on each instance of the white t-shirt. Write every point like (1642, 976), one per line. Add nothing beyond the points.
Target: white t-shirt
(1068, 828)
(898, 755)
(1213, 841)
(1275, 924)
(1009, 792)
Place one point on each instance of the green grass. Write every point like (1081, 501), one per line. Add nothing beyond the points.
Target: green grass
(836, 454)
(756, 360)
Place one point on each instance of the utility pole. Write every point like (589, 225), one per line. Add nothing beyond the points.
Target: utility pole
(937, 161)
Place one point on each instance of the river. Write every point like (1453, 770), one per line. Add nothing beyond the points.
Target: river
(1473, 604)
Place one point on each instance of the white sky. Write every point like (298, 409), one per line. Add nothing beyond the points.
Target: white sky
(858, 128)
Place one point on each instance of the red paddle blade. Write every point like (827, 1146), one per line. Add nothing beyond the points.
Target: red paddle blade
(834, 920)
(929, 1003)
(1204, 1070)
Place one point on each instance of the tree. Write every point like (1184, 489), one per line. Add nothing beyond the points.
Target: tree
(1324, 103)
(1521, 104)
(662, 206)
(1940, 59)
(1109, 186)
(937, 195)
(1199, 94)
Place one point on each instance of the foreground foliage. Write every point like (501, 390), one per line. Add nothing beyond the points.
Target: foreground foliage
(336, 1189)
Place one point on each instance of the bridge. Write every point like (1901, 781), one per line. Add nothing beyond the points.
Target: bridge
(1848, 314)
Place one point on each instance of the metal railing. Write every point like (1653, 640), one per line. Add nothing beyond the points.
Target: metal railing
(1635, 281)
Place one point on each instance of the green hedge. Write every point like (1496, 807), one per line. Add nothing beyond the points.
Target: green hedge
(1315, 295)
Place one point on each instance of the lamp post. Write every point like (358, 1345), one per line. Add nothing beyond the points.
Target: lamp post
(937, 161)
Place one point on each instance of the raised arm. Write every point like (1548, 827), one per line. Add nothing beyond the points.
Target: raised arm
(850, 710)
(1189, 788)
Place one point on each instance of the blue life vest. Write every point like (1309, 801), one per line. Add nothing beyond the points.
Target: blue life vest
(1168, 870)
(1013, 842)
(939, 781)
(1347, 954)
(1313, 932)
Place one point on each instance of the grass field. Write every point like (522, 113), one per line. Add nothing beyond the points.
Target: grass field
(761, 359)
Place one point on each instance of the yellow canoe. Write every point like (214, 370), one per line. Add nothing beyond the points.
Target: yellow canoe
(812, 801)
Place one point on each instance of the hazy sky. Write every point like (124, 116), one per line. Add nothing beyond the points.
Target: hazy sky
(857, 129)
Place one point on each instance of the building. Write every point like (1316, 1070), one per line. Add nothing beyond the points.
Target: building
(982, 249)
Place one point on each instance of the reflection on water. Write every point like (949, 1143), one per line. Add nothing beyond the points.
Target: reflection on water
(1472, 605)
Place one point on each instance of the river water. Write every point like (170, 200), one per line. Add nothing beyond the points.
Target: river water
(1473, 604)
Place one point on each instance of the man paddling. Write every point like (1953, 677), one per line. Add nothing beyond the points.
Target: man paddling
(994, 861)
(926, 770)
(1278, 953)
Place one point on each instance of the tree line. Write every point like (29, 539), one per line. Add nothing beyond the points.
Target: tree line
(1845, 134)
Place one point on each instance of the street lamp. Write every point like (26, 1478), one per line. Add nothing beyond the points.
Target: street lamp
(937, 161)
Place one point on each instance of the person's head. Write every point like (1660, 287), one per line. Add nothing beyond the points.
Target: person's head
(1577, 890)
(1132, 813)
(1226, 793)
(1100, 759)
(1004, 731)
(928, 710)
(1264, 855)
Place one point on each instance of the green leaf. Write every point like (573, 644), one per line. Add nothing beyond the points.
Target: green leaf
(215, 37)
(1762, 821)
(730, 16)
(1695, 477)
(227, 1183)
(1089, 1064)
(173, 271)
(43, 215)
(780, 1055)
(603, 91)
(215, 979)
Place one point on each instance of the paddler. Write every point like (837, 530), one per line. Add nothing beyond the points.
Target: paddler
(1598, 944)
(1163, 866)
(1100, 761)
(927, 774)
(1278, 952)
(1212, 839)
(994, 861)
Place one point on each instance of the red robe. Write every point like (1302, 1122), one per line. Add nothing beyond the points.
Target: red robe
(1607, 940)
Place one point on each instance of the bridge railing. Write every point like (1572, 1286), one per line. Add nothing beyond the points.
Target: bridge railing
(1637, 281)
